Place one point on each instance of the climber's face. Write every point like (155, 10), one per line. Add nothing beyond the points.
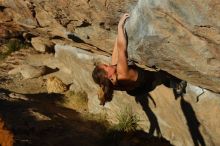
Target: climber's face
(110, 71)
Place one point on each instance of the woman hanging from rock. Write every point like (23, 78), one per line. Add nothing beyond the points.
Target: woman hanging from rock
(122, 76)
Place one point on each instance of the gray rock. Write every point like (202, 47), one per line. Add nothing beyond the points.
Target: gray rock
(178, 36)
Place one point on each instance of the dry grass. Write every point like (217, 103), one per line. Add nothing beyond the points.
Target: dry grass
(127, 120)
(126, 127)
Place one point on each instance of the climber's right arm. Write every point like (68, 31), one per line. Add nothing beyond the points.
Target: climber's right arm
(122, 66)
(115, 53)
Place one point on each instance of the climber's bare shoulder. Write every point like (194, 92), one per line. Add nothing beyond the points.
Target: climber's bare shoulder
(131, 75)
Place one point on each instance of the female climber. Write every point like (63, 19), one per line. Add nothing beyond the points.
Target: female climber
(121, 76)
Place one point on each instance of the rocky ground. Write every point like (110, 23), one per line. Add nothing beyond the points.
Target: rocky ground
(32, 117)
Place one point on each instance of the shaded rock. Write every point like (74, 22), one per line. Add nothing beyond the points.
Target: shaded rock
(9, 31)
(13, 97)
(38, 116)
(16, 97)
(42, 44)
(55, 85)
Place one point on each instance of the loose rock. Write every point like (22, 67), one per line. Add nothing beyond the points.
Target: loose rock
(55, 85)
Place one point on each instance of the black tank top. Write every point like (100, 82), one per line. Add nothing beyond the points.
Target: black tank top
(144, 81)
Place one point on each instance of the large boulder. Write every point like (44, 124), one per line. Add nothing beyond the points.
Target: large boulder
(181, 37)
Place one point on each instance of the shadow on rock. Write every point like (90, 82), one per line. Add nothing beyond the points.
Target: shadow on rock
(143, 99)
(75, 38)
(49, 70)
(40, 121)
(142, 96)
(136, 138)
(192, 122)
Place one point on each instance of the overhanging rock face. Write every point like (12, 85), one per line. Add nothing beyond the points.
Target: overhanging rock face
(181, 37)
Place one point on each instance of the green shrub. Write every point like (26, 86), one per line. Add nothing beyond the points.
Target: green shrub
(127, 121)
(12, 45)
(15, 45)
(2, 56)
(127, 125)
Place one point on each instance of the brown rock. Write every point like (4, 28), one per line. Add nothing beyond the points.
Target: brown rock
(55, 85)
(20, 12)
(42, 44)
(6, 136)
(4, 33)
(29, 71)
(4, 17)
